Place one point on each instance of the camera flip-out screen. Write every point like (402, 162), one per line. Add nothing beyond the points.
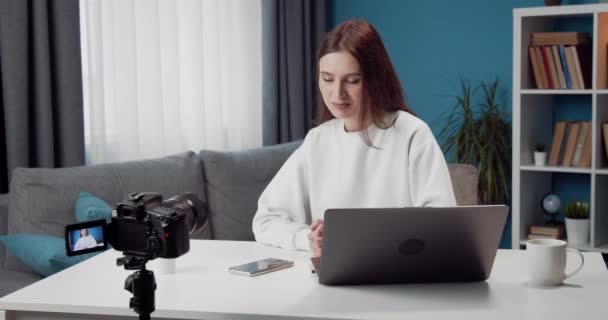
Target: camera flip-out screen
(86, 237)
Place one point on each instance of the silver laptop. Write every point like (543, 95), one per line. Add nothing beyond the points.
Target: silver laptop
(410, 245)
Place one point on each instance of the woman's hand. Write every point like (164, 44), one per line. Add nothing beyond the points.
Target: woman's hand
(316, 237)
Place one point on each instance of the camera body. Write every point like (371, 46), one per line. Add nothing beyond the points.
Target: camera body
(144, 226)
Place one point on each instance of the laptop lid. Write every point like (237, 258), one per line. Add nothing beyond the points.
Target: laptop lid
(410, 245)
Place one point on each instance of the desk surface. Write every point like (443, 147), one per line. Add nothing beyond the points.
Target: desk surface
(203, 288)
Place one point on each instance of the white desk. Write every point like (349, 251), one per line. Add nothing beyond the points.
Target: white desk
(203, 289)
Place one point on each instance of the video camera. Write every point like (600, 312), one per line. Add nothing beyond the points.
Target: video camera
(143, 227)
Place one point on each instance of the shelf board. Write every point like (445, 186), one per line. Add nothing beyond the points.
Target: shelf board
(602, 91)
(560, 11)
(587, 247)
(602, 171)
(556, 91)
(555, 169)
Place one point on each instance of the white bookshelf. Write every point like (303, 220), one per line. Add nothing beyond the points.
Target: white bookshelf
(533, 121)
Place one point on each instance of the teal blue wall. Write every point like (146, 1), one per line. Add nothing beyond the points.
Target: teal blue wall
(434, 43)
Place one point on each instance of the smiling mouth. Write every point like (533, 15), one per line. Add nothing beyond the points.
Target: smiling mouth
(341, 105)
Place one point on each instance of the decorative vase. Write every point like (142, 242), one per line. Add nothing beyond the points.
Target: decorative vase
(540, 158)
(553, 2)
(577, 231)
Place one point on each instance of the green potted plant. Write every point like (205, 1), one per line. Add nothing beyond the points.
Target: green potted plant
(478, 133)
(540, 156)
(577, 222)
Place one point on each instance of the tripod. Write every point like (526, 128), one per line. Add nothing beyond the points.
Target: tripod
(141, 284)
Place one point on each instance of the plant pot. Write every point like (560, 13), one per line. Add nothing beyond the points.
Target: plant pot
(540, 158)
(553, 2)
(577, 231)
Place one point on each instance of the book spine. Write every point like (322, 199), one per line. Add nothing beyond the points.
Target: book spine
(577, 65)
(546, 62)
(562, 54)
(536, 72)
(541, 68)
(558, 68)
(556, 145)
(586, 157)
(571, 69)
(571, 143)
(580, 143)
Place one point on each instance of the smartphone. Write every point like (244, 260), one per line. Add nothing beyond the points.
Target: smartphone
(257, 268)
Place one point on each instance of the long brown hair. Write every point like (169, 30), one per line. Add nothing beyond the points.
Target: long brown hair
(381, 87)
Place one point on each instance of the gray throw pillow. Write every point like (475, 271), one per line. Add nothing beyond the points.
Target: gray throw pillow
(235, 181)
(41, 200)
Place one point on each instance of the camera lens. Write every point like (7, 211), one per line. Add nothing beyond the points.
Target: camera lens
(192, 207)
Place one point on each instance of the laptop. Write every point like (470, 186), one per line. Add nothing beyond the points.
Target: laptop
(410, 245)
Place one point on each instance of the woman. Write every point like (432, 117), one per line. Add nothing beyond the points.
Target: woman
(85, 241)
(368, 151)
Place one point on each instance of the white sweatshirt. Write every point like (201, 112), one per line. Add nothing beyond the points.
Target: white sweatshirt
(85, 242)
(336, 169)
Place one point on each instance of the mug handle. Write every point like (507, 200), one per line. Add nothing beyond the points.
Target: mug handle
(568, 275)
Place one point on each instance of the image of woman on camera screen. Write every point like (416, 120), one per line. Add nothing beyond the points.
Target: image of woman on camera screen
(368, 150)
(86, 241)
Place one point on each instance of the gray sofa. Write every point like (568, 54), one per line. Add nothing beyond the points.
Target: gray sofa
(41, 200)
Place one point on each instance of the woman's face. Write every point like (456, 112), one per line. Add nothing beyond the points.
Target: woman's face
(84, 232)
(341, 85)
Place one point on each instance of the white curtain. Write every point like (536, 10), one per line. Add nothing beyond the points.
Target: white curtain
(165, 76)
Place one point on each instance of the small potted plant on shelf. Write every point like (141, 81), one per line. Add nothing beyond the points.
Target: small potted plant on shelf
(540, 156)
(577, 222)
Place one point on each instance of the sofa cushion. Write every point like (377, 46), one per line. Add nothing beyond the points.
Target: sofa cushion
(234, 182)
(89, 207)
(42, 200)
(3, 223)
(464, 182)
(44, 255)
(11, 281)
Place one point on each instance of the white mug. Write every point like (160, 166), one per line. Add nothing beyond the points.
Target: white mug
(162, 266)
(547, 262)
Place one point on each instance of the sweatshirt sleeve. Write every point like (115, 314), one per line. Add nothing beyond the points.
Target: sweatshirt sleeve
(430, 182)
(284, 207)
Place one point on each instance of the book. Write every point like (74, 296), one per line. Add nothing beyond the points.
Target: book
(577, 66)
(557, 38)
(562, 54)
(546, 63)
(560, 35)
(548, 229)
(556, 144)
(572, 69)
(573, 129)
(533, 236)
(535, 69)
(580, 142)
(552, 69)
(541, 68)
(558, 68)
(584, 56)
(585, 161)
